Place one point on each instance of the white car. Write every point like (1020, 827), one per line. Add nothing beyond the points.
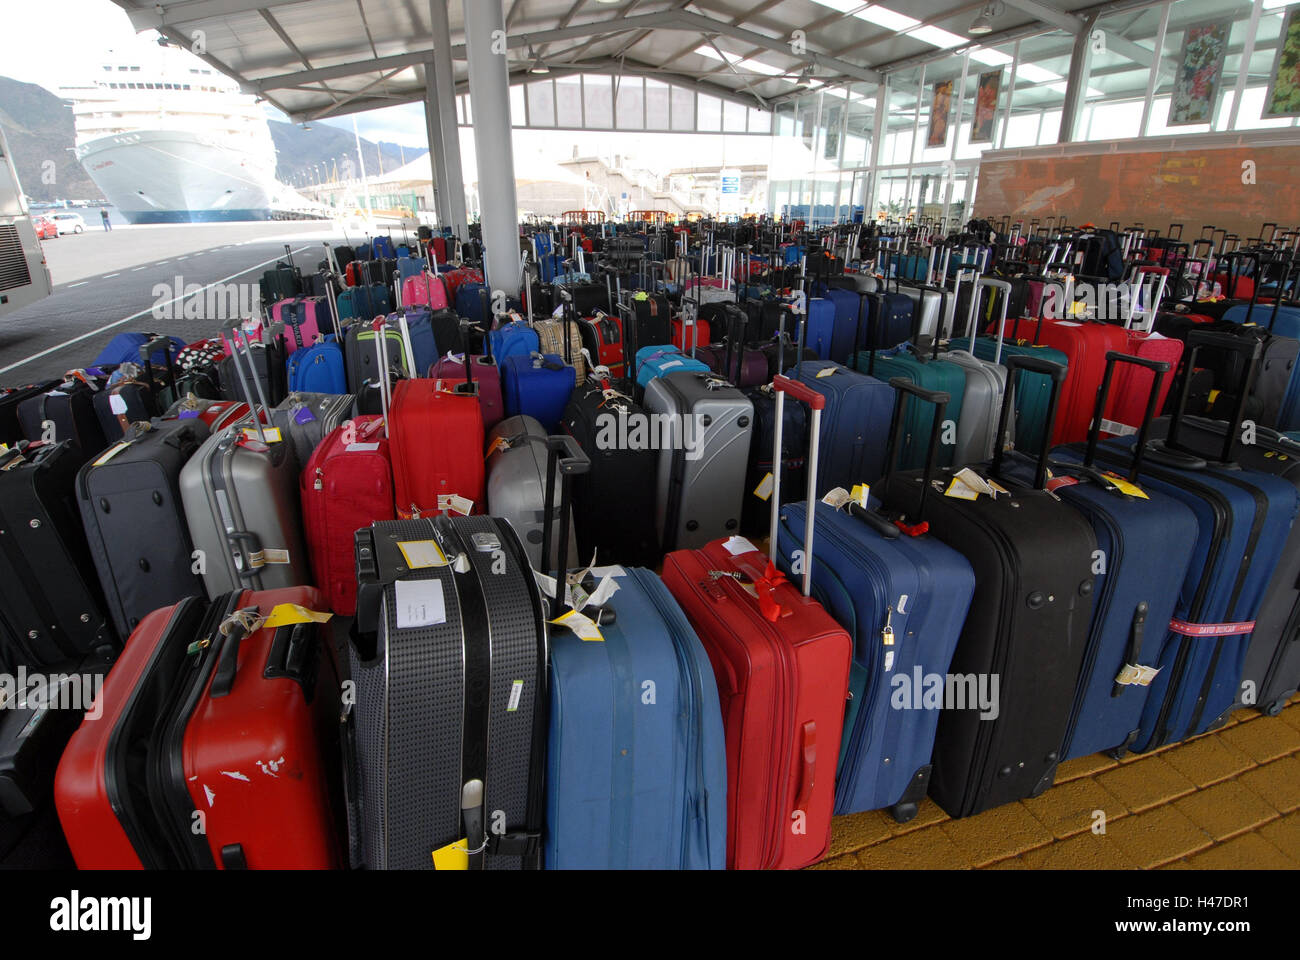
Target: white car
(68, 222)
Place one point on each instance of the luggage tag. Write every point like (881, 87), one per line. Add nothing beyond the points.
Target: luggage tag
(838, 498)
(271, 435)
(764, 489)
(422, 554)
(1136, 675)
(582, 626)
(304, 415)
(454, 856)
(1124, 486)
(284, 614)
(455, 503)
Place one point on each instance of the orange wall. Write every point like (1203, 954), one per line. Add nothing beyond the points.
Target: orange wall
(1192, 187)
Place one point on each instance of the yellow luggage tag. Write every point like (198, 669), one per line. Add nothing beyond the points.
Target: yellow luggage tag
(582, 626)
(420, 554)
(283, 614)
(272, 434)
(454, 856)
(1132, 489)
(764, 489)
(860, 493)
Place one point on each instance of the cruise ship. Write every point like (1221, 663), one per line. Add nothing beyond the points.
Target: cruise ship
(170, 140)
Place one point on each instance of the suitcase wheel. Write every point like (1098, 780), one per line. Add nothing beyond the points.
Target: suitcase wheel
(903, 812)
(1274, 708)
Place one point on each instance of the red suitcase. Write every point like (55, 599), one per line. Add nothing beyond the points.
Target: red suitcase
(602, 338)
(436, 438)
(213, 744)
(782, 667)
(346, 485)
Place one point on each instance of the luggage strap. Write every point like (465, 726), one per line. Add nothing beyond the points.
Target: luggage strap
(1186, 629)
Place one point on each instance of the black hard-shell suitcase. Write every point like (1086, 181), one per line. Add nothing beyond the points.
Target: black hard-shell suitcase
(615, 500)
(1027, 629)
(135, 523)
(51, 607)
(446, 743)
(11, 429)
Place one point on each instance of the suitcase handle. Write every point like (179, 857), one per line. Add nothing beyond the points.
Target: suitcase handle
(1036, 365)
(1252, 350)
(808, 756)
(816, 402)
(149, 349)
(1158, 368)
(233, 629)
(564, 459)
(939, 399)
(234, 332)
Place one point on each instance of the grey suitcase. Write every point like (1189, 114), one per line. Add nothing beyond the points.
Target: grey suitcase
(702, 460)
(131, 508)
(446, 739)
(304, 419)
(242, 505)
(986, 382)
(516, 486)
(929, 306)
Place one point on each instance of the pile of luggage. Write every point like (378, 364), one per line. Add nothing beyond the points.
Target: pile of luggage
(713, 532)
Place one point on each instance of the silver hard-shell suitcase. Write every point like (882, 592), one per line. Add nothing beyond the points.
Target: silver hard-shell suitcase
(516, 486)
(304, 419)
(986, 382)
(702, 426)
(242, 507)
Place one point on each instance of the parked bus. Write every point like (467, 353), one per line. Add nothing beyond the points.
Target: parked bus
(24, 276)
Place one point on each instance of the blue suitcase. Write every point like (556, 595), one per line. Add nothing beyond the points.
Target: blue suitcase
(512, 339)
(891, 318)
(409, 267)
(1146, 547)
(1281, 320)
(318, 369)
(125, 348)
(470, 303)
(858, 409)
(419, 327)
(820, 327)
(635, 783)
(383, 247)
(537, 386)
(365, 303)
(903, 596)
(1244, 520)
(658, 359)
(845, 334)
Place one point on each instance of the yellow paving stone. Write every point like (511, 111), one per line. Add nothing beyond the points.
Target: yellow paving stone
(1147, 783)
(1179, 865)
(1277, 782)
(857, 830)
(928, 849)
(1084, 767)
(997, 834)
(1291, 715)
(1158, 836)
(1011, 863)
(1264, 739)
(1284, 834)
(1226, 809)
(1084, 851)
(1208, 759)
(1068, 808)
(1247, 852)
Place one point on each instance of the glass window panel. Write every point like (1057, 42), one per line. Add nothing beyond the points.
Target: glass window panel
(631, 103)
(568, 101)
(541, 104)
(598, 95)
(656, 105)
(683, 109)
(710, 114)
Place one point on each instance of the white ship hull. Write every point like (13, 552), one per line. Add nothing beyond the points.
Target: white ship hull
(166, 176)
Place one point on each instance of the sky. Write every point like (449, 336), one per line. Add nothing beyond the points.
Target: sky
(31, 51)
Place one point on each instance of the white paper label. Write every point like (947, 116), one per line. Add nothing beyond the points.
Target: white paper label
(738, 545)
(764, 489)
(116, 403)
(607, 588)
(361, 447)
(419, 603)
(601, 573)
(516, 693)
(837, 497)
(455, 503)
(275, 556)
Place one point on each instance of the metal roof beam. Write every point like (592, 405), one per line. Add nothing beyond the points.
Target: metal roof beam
(152, 16)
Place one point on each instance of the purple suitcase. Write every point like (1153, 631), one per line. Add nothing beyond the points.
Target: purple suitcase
(486, 376)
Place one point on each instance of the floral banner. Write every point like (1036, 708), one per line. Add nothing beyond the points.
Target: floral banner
(940, 113)
(1283, 98)
(1196, 86)
(986, 106)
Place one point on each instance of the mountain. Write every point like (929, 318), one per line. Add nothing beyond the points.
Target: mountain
(38, 127)
(298, 150)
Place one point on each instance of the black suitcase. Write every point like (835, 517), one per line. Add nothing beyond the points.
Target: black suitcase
(122, 404)
(11, 428)
(135, 524)
(447, 334)
(51, 607)
(614, 502)
(653, 316)
(756, 514)
(588, 298)
(65, 413)
(268, 358)
(1028, 623)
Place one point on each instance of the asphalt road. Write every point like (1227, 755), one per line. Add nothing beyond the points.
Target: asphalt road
(113, 282)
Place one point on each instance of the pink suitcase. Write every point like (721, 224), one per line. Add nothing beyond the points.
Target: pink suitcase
(486, 376)
(424, 289)
(302, 321)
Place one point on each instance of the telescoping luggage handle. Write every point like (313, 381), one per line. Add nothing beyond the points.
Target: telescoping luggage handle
(146, 357)
(981, 283)
(1158, 368)
(565, 459)
(939, 399)
(236, 331)
(816, 403)
(1252, 350)
(1057, 372)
